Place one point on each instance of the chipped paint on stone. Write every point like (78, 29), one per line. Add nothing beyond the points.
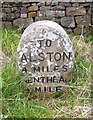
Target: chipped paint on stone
(44, 51)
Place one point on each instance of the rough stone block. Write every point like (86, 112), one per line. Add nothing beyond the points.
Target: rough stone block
(6, 24)
(60, 13)
(61, 0)
(54, 3)
(68, 22)
(22, 23)
(79, 29)
(50, 13)
(78, 1)
(17, 4)
(1, 5)
(5, 5)
(33, 8)
(57, 20)
(44, 8)
(15, 9)
(92, 20)
(73, 11)
(31, 14)
(23, 15)
(6, 10)
(42, 3)
(24, 10)
(91, 9)
(58, 7)
(47, 3)
(39, 18)
(3, 16)
(75, 5)
(66, 4)
(41, 13)
(12, 16)
(89, 1)
(33, 4)
(85, 4)
(26, 4)
(83, 20)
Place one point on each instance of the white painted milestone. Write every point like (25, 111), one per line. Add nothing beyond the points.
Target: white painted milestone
(45, 56)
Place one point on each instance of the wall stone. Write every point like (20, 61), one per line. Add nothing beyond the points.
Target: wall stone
(68, 22)
(33, 8)
(83, 20)
(22, 23)
(69, 14)
(73, 11)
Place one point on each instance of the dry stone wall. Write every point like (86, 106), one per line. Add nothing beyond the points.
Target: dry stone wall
(71, 15)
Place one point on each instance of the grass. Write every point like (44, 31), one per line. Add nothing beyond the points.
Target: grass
(72, 102)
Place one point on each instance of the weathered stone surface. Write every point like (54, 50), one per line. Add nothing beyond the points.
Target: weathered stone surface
(33, 8)
(16, 4)
(26, 4)
(75, 4)
(5, 5)
(33, 4)
(54, 3)
(89, 1)
(92, 20)
(67, 4)
(58, 7)
(24, 10)
(6, 10)
(47, 3)
(39, 18)
(1, 5)
(26, 1)
(3, 16)
(32, 14)
(85, 4)
(44, 8)
(61, 0)
(12, 16)
(41, 14)
(91, 9)
(45, 56)
(56, 20)
(79, 29)
(73, 11)
(78, 1)
(83, 20)
(68, 22)
(50, 13)
(14, 9)
(60, 13)
(68, 30)
(23, 15)
(22, 23)
(6, 24)
(42, 3)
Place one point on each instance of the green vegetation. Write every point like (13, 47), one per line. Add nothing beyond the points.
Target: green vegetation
(17, 102)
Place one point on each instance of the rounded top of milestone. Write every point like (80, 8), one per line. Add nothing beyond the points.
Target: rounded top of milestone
(45, 55)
